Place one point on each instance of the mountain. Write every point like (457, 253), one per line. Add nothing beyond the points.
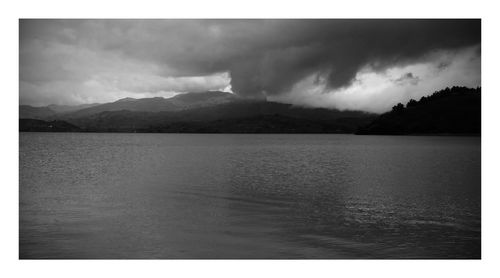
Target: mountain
(209, 112)
(46, 126)
(455, 110)
(50, 111)
(155, 104)
(234, 117)
(158, 104)
(70, 108)
(30, 112)
(194, 100)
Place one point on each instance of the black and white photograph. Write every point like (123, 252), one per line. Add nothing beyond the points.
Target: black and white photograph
(225, 139)
(250, 138)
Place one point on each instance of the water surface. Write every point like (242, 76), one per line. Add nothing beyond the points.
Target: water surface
(85, 195)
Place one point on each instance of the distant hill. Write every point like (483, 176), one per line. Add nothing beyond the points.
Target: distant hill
(455, 110)
(208, 112)
(156, 104)
(159, 104)
(50, 111)
(233, 117)
(70, 108)
(46, 126)
(30, 112)
(146, 104)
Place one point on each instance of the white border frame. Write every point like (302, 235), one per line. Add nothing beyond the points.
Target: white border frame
(12, 11)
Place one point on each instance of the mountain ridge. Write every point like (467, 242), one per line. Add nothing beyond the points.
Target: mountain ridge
(210, 112)
(213, 117)
(455, 110)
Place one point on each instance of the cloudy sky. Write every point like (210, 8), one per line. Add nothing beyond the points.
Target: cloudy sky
(346, 64)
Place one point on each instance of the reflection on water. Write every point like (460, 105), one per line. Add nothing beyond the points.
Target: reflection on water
(248, 196)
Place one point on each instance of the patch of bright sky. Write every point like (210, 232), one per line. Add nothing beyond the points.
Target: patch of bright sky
(378, 91)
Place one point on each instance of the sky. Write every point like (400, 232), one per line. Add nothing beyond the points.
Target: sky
(356, 64)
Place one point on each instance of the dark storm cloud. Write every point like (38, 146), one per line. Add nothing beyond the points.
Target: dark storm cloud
(261, 56)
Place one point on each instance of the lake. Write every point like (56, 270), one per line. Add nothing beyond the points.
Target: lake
(98, 195)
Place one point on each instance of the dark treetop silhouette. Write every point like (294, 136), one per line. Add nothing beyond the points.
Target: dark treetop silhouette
(455, 110)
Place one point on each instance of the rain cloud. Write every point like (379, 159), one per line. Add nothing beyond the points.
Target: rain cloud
(303, 61)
